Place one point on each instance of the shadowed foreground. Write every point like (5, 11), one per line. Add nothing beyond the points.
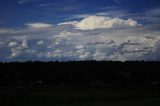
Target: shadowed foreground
(78, 96)
(80, 84)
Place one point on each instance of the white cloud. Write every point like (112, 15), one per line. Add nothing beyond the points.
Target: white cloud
(97, 22)
(69, 23)
(79, 47)
(38, 25)
(41, 42)
(13, 44)
(79, 16)
(15, 52)
(55, 54)
(6, 31)
(18, 48)
(24, 43)
(82, 54)
(30, 51)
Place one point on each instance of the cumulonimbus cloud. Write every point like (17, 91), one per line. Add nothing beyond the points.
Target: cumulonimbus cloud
(64, 43)
(97, 22)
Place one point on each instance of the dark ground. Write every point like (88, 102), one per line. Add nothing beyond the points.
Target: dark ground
(90, 96)
(87, 83)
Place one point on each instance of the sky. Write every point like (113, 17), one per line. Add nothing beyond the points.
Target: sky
(65, 30)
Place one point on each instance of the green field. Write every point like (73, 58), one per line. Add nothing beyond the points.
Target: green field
(70, 96)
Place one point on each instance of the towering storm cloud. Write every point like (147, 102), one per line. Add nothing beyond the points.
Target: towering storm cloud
(95, 22)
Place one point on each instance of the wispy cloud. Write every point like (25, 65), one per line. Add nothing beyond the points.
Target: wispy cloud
(38, 25)
(26, 1)
(22, 1)
(45, 5)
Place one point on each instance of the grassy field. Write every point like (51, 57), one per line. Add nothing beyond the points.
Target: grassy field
(70, 96)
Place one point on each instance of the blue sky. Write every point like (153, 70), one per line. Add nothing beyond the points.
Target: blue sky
(17, 12)
(79, 30)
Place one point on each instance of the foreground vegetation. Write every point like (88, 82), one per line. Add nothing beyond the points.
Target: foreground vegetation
(80, 96)
(86, 83)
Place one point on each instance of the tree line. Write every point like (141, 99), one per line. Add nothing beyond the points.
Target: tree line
(80, 72)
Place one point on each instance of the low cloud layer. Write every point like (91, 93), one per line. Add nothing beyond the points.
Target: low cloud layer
(105, 39)
(97, 22)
